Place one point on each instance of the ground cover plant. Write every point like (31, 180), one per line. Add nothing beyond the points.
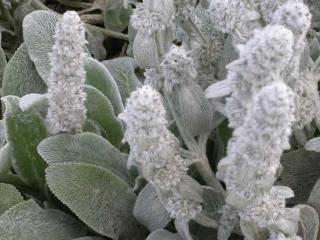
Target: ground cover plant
(160, 120)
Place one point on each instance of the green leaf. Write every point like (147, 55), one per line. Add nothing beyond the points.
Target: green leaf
(98, 76)
(24, 131)
(27, 221)
(3, 61)
(314, 198)
(116, 17)
(9, 197)
(308, 223)
(20, 76)
(95, 44)
(5, 161)
(38, 31)
(123, 71)
(98, 197)
(149, 211)
(84, 148)
(212, 200)
(100, 110)
(88, 238)
(301, 170)
(162, 234)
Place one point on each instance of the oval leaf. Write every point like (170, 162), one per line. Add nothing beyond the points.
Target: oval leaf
(313, 144)
(162, 234)
(308, 223)
(301, 170)
(123, 71)
(149, 211)
(98, 76)
(219, 89)
(9, 197)
(116, 17)
(20, 76)
(100, 110)
(24, 131)
(84, 148)
(38, 30)
(107, 199)
(27, 221)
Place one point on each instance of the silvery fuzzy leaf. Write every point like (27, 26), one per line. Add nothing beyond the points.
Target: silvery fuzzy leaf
(212, 200)
(38, 31)
(314, 46)
(116, 16)
(191, 109)
(182, 228)
(145, 50)
(314, 198)
(219, 89)
(5, 161)
(88, 238)
(301, 170)
(252, 232)
(31, 100)
(2, 134)
(98, 76)
(313, 145)
(131, 35)
(20, 13)
(24, 131)
(229, 54)
(162, 234)
(149, 211)
(84, 148)
(3, 61)
(98, 197)
(28, 221)
(20, 76)
(123, 71)
(190, 189)
(100, 110)
(95, 45)
(309, 222)
(9, 197)
(306, 60)
(288, 223)
(92, 127)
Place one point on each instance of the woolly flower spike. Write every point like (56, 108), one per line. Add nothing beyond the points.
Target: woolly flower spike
(146, 21)
(178, 66)
(224, 14)
(269, 50)
(186, 209)
(156, 149)
(268, 7)
(67, 112)
(151, 142)
(255, 149)
(295, 15)
(269, 211)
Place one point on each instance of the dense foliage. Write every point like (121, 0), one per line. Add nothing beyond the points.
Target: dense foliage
(160, 119)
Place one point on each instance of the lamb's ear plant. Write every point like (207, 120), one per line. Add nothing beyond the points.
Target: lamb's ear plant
(207, 129)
